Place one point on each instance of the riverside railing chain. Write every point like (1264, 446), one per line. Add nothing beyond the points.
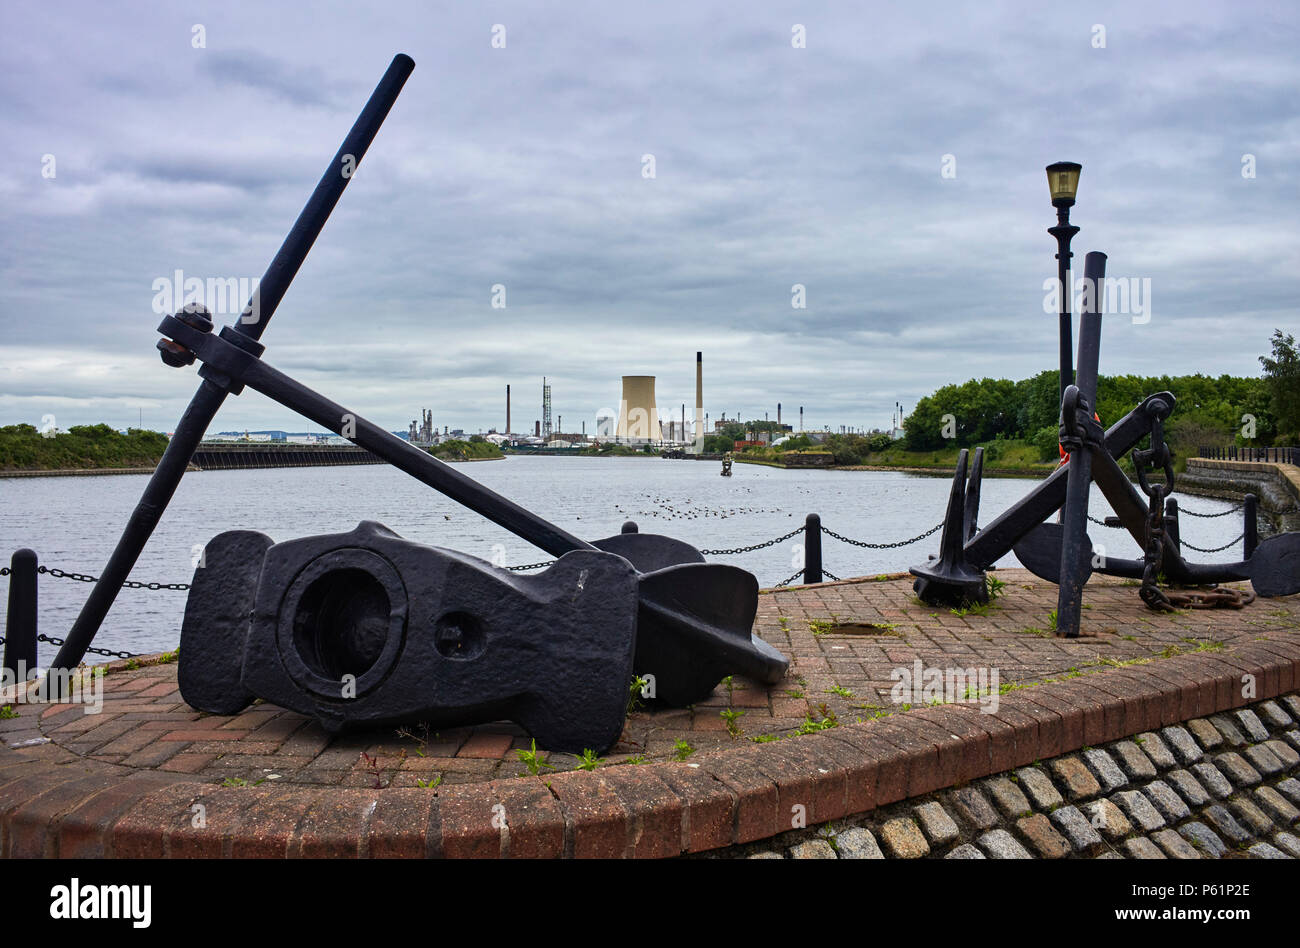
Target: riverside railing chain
(883, 546)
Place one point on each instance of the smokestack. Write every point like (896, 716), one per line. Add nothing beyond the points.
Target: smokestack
(778, 413)
(537, 429)
(699, 403)
(507, 409)
(801, 418)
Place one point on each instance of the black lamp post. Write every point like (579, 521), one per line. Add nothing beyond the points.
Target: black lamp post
(1063, 180)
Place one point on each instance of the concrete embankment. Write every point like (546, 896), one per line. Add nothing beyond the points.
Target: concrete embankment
(1276, 485)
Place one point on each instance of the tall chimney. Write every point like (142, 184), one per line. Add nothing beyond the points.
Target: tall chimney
(507, 409)
(778, 413)
(699, 403)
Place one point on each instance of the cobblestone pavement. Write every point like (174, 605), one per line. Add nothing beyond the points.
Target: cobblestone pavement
(1219, 787)
(845, 641)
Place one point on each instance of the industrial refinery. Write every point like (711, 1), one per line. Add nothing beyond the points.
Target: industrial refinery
(639, 423)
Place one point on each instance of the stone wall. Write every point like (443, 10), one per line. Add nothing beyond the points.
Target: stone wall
(1205, 789)
(1276, 485)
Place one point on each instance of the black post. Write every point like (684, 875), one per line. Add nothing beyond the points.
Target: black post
(629, 527)
(20, 624)
(812, 549)
(1250, 528)
(208, 399)
(1172, 535)
(1064, 232)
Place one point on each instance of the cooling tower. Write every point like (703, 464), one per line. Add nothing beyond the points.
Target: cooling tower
(638, 417)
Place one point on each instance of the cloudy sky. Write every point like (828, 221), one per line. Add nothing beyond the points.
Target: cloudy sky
(887, 157)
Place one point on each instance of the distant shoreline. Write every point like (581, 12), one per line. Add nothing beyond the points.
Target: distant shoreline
(935, 470)
(105, 471)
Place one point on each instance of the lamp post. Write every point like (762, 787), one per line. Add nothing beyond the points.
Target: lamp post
(1063, 180)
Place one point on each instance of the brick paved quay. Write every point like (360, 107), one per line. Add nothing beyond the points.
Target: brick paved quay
(135, 779)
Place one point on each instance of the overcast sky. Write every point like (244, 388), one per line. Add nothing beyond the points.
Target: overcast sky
(187, 137)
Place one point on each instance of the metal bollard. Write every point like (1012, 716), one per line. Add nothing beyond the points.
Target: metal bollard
(1173, 541)
(1250, 540)
(20, 625)
(629, 527)
(812, 549)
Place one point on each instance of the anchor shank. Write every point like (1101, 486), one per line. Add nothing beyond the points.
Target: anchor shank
(207, 401)
(421, 465)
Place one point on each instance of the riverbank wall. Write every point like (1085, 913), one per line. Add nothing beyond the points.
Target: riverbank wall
(1276, 485)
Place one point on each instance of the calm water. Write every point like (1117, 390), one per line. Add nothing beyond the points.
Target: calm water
(73, 522)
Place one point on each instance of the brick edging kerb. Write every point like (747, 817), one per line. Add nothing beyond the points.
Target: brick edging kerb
(653, 810)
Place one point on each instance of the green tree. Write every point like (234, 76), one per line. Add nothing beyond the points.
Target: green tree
(1282, 382)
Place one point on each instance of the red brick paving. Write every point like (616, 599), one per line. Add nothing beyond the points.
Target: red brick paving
(126, 781)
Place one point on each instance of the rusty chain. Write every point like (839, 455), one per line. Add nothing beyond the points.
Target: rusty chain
(1205, 597)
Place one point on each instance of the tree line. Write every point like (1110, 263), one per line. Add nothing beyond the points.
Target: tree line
(1210, 411)
(81, 447)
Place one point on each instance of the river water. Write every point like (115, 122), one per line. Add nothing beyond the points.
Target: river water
(73, 522)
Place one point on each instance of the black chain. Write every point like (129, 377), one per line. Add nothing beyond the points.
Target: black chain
(883, 546)
(98, 651)
(756, 546)
(1208, 516)
(798, 573)
(85, 578)
(829, 575)
(530, 565)
(1217, 549)
(106, 652)
(1153, 554)
(1208, 597)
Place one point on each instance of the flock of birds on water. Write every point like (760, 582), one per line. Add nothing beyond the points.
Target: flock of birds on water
(667, 508)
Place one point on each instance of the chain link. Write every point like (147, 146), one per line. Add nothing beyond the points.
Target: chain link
(883, 546)
(787, 582)
(529, 566)
(829, 575)
(1217, 549)
(106, 652)
(1208, 516)
(98, 651)
(756, 546)
(85, 578)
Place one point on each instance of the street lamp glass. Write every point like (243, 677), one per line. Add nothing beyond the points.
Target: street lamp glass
(1063, 179)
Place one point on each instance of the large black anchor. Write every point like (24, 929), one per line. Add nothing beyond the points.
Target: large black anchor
(693, 620)
(365, 628)
(1062, 552)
